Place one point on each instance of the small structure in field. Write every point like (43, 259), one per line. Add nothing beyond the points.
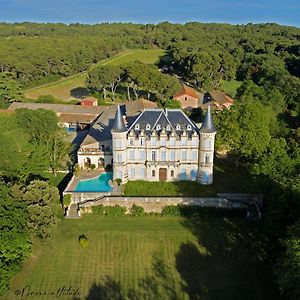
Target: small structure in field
(89, 101)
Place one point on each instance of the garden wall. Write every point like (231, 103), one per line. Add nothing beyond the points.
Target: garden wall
(155, 204)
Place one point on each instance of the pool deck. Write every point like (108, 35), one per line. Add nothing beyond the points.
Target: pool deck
(84, 175)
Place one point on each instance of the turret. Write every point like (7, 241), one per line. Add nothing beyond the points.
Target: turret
(119, 145)
(206, 150)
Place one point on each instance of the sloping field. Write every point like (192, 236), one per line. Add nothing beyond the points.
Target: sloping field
(74, 86)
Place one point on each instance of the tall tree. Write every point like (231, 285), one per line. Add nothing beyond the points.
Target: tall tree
(15, 242)
(10, 90)
(41, 199)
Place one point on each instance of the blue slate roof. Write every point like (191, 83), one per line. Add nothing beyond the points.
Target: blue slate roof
(150, 118)
(119, 125)
(208, 124)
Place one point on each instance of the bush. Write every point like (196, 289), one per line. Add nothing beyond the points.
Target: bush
(137, 211)
(67, 200)
(98, 210)
(83, 241)
(170, 210)
(92, 166)
(115, 211)
(112, 211)
(118, 181)
(46, 99)
(76, 170)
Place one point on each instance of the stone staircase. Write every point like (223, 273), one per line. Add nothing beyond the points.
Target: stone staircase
(73, 212)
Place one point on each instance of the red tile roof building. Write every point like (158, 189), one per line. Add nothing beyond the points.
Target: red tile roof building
(90, 101)
(188, 97)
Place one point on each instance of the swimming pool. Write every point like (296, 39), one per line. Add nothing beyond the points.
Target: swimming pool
(98, 184)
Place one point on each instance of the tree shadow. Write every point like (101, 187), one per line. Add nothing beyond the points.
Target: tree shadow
(79, 92)
(158, 284)
(228, 262)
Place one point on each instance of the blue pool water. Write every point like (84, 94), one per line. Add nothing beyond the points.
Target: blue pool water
(99, 184)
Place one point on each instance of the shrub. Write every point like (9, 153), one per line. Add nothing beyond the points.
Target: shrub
(67, 200)
(98, 210)
(46, 99)
(108, 168)
(92, 166)
(137, 211)
(115, 211)
(112, 211)
(83, 241)
(170, 210)
(118, 181)
(76, 170)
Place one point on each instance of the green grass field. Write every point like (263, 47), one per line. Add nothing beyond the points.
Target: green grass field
(66, 89)
(227, 179)
(230, 87)
(151, 258)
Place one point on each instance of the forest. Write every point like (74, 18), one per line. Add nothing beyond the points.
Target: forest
(261, 131)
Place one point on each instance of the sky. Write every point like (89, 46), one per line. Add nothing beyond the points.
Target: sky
(286, 12)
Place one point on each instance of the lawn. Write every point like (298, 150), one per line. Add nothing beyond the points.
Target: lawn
(74, 86)
(227, 178)
(230, 87)
(151, 258)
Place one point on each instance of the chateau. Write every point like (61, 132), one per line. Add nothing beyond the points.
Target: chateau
(150, 144)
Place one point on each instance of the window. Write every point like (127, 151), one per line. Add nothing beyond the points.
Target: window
(206, 158)
(119, 157)
(183, 174)
(207, 144)
(153, 142)
(118, 143)
(131, 173)
(183, 155)
(168, 128)
(142, 173)
(172, 155)
(148, 127)
(193, 174)
(184, 141)
(163, 156)
(172, 141)
(153, 173)
(172, 173)
(131, 141)
(185, 98)
(195, 141)
(194, 155)
(189, 127)
(131, 154)
(158, 127)
(177, 127)
(137, 126)
(163, 141)
(153, 155)
(142, 155)
(142, 141)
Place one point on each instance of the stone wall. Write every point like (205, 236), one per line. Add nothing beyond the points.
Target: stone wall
(155, 204)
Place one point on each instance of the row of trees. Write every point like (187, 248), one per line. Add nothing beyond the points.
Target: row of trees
(201, 53)
(31, 145)
(136, 76)
(260, 130)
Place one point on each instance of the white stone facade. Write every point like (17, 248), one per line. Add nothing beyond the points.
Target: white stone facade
(154, 151)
